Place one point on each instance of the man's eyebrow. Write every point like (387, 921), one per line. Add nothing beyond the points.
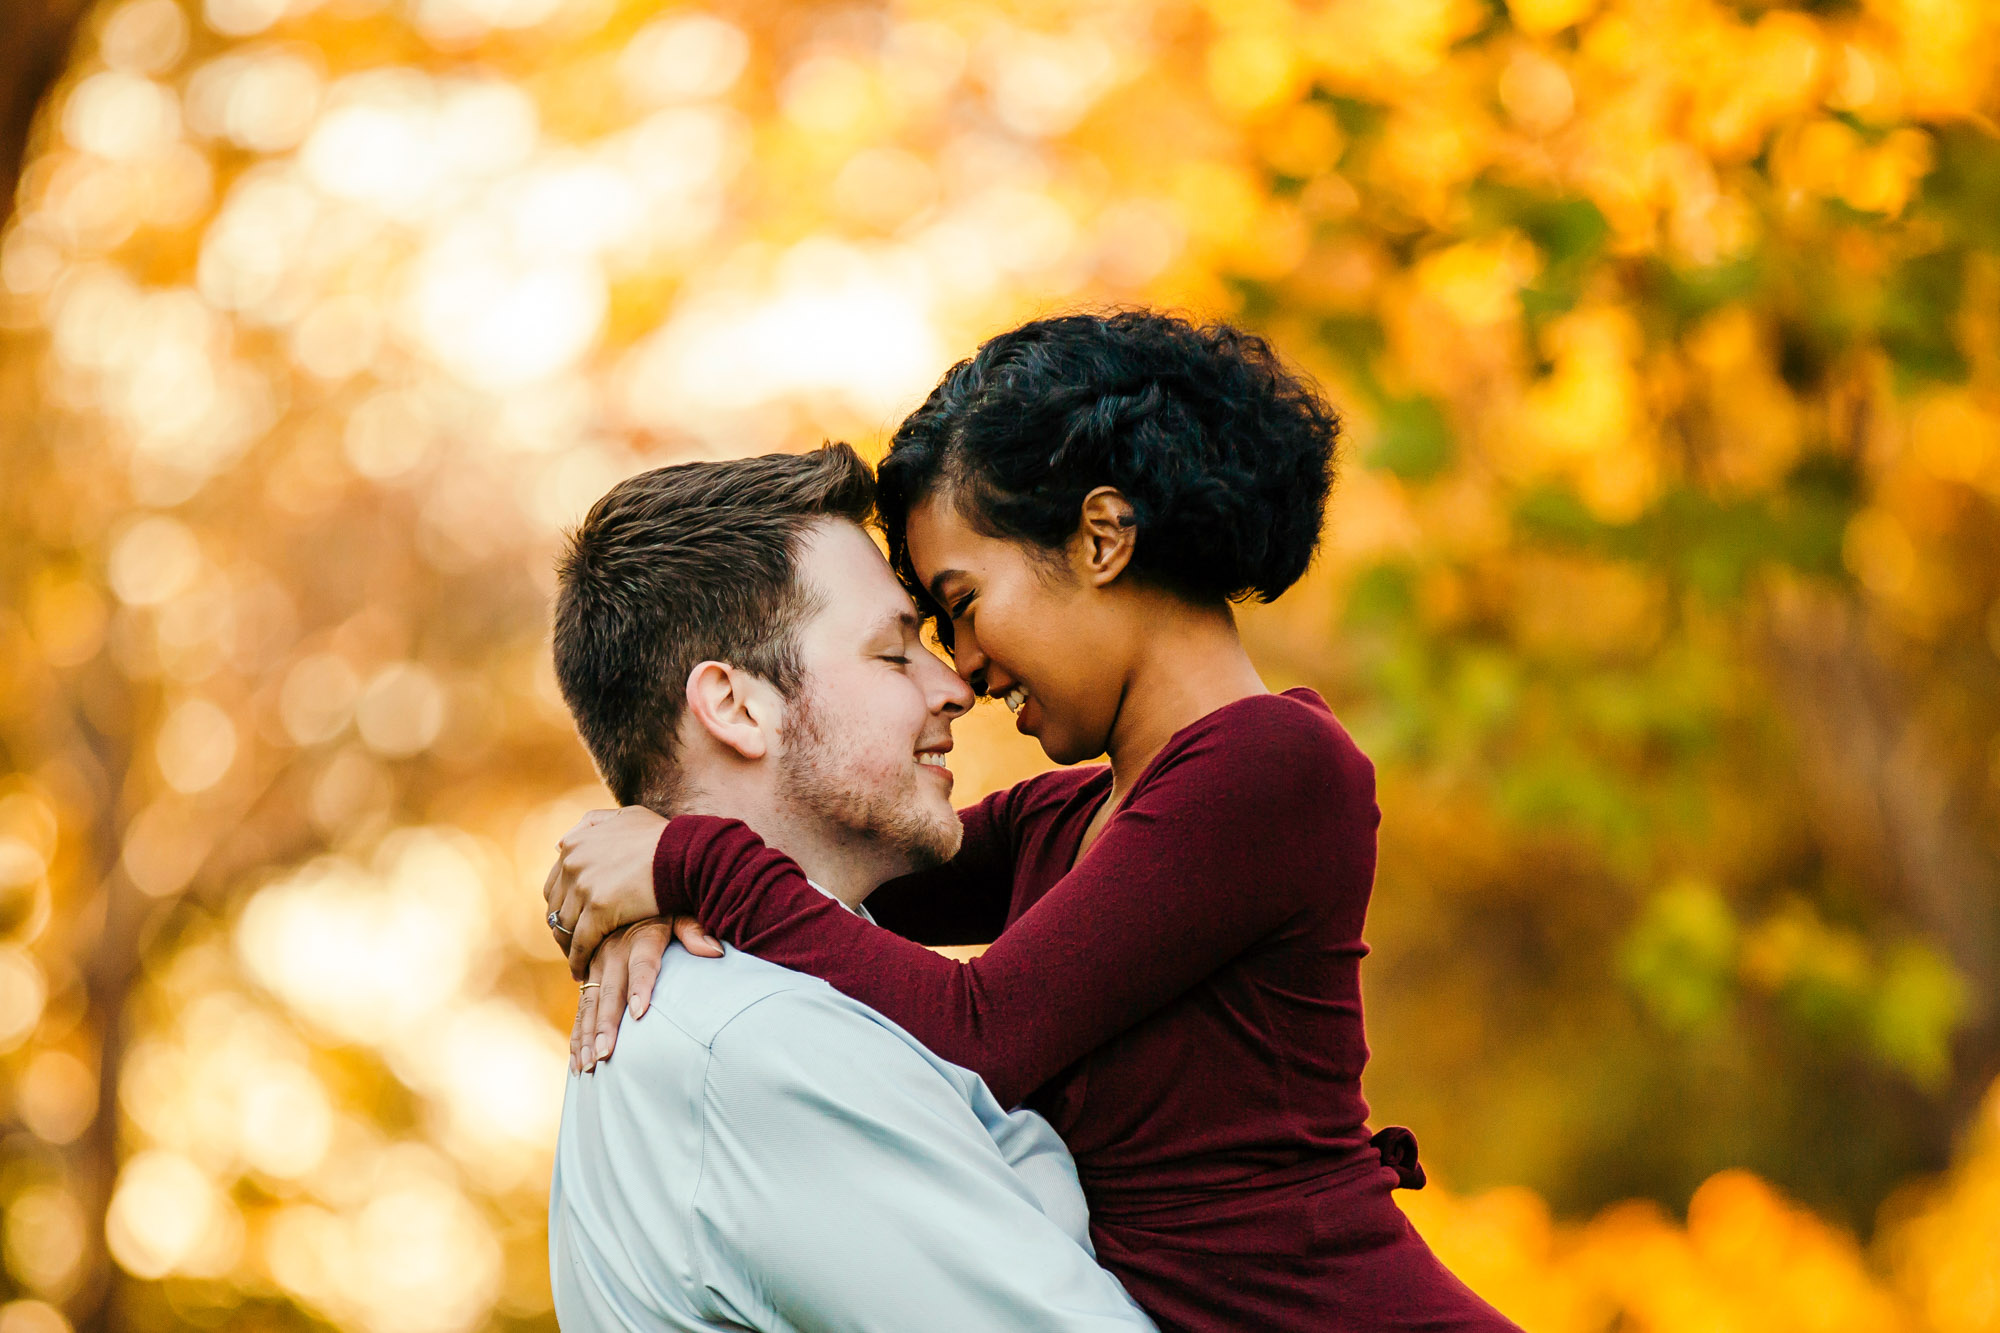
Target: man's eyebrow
(905, 621)
(938, 581)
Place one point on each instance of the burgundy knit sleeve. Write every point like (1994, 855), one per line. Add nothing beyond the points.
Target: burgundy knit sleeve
(965, 900)
(1236, 827)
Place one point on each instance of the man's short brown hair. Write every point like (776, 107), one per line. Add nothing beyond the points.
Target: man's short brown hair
(683, 565)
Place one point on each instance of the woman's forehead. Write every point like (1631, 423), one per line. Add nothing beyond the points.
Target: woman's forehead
(939, 537)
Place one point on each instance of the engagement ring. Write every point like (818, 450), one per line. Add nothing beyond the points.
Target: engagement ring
(555, 923)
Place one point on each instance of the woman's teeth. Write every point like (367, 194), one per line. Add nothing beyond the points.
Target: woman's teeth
(1014, 698)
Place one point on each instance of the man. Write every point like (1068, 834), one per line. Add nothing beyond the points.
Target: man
(764, 1152)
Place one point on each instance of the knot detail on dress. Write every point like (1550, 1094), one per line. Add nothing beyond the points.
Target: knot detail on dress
(1398, 1147)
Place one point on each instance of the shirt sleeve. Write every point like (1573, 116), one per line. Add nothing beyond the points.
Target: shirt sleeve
(1236, 831)
(965, 900)
(846, 1184)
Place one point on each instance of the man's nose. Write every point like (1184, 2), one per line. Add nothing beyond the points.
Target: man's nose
(954, 696)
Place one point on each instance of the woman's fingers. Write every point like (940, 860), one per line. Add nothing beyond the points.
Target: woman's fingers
(607, 878)
(586, 1055)
(588, 933)
(552, 886)
(609, 969)
(556, 889)
(649, 944)
(694, 939)
(593, 1039)
(576, 1036)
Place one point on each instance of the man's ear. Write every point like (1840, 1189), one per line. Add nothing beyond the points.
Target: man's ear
(732, 706)
(1107, 531)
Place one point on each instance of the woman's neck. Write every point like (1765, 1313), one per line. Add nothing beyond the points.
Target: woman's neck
(1192, 662)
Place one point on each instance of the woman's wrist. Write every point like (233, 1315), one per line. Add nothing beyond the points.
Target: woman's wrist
(676, 890)
(669, 890)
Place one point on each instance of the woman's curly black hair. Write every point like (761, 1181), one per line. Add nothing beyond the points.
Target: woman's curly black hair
(1225, 454)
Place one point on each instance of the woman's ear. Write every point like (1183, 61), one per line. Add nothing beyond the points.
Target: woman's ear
(1107, 531)
(727, 703)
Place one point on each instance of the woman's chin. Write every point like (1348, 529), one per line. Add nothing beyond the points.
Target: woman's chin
(1064, 748)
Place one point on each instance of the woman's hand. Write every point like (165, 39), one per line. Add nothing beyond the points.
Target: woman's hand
(603, 879)
(622, 972)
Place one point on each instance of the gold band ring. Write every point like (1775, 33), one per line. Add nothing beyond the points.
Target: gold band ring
(587, 985)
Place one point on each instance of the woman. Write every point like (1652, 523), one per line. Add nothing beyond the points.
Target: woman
(1175, 976)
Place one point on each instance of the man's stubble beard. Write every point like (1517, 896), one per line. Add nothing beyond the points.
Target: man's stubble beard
(824, 781)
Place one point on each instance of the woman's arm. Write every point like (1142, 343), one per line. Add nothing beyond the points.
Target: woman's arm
(1239, 829)
(963, 901)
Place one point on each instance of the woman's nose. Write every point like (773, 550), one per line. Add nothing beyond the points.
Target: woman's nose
(969, 663)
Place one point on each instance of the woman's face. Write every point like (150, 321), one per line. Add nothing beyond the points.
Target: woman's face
(1024, 630)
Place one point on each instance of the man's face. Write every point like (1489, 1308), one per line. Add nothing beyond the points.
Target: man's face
(865, 739)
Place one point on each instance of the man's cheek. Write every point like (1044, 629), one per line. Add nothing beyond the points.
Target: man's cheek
(882, 767)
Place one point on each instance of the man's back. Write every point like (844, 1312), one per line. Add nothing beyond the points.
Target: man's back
(766, 1153)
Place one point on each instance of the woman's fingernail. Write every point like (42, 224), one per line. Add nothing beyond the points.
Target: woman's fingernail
(638, 1006)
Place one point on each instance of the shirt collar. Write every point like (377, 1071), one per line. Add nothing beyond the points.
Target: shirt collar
(861, 911)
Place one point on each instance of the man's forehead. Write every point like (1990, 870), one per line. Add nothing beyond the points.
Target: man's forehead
(855, 587)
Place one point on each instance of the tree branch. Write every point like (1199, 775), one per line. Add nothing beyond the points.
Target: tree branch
(36, 37)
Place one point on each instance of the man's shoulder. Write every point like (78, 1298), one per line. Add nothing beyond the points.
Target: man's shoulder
(701, 997)
(767, 1031)
(737, 1019)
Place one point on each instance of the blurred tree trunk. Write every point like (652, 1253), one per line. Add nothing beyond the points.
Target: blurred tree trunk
(109, 968)
(35, 41)
(1890, 806)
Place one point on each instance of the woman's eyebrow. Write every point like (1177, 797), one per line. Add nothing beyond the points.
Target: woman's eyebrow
(939, 579)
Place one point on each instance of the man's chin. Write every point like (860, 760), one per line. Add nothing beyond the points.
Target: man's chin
(936, 843)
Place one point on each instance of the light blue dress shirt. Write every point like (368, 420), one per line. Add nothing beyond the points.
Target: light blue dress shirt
(763, 1152)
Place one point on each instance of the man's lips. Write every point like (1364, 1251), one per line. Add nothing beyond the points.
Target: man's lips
(932, 761)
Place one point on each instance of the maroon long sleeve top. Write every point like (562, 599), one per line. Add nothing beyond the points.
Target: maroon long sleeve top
(1183, 1003)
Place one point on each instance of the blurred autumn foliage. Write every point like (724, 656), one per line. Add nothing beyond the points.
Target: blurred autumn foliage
(1663, 584)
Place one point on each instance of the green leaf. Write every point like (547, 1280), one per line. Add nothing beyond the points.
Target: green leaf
(1557, 515)
(1384, 594)
(1355, 341)
(1917, 1008)
(1359, 120)
(1691, 293)
(1963, 189)
(1413, 440)
(1919, 312)
(1680, 956)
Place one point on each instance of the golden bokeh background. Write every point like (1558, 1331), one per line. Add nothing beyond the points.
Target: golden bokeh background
(1663, 583)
